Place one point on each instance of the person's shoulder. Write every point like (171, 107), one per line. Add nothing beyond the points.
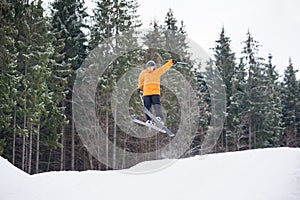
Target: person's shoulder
(143, 72)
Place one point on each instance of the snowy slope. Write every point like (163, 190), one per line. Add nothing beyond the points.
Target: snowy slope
(271, 174)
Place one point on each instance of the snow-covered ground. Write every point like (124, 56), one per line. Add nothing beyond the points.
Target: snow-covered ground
(263, 174)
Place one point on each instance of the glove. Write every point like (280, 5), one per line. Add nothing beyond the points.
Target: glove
(174, 61)
(139, 91)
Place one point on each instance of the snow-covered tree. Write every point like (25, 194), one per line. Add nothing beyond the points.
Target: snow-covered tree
(27, 49)
(256, 89)
(225, 63)
(205, 112)
(54, 126)
(237, 136)
(38, 73)
(298, 114)
(216, 99)
(171, 35)
(175, 37)
(8, 76)
(289, 96)
(273, 115)
(69, 20)
(111, 19)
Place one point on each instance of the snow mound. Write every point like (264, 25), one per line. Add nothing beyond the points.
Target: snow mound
(267, 174)
(9, 169)
(12, 180)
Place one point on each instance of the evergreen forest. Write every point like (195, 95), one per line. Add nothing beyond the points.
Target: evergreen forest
(41, 52)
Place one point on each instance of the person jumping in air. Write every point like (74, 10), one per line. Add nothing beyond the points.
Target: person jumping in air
(149, 86)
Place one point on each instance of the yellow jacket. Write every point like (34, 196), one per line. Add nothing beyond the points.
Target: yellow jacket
(149, 81)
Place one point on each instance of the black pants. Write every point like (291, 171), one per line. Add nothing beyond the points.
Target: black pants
(155, 101)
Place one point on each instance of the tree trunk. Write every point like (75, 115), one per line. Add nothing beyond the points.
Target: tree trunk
(24, 140)
(49, 160)
(30, 149)
(37, 160)
(62, 144)
(90, 161)
(14, 138)
(107, 141)
(73, 146)
(23, 152)
(115, 139)
(24, 123)
(250, 133)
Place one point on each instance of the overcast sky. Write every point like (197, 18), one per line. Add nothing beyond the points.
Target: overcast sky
(275, 24)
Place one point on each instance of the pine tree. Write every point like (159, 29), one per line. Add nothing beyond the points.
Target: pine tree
(225, 60)
(28, 92)
(42, 50)
(176, 47)
(256, 90)
(205, 112)
(113, 18)
(298, 114)
(171, 33)
(8, 77)
(155, 42)
(290, 101)
(169, 41)
(238, 108)
(69, 21)
(273, 114)
(175, 38)
(217, 105)
(52, 129)
(225, 63)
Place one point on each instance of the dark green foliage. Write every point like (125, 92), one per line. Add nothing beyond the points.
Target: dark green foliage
(253, 105)
(298, 114)
(290, 102)
(69, 20)
(27, 48)
(68, 25)
(8, 73)
(111, 19)
(39, 56)
(256, 87)
(224, 59)
(273, 114)
(238, 108)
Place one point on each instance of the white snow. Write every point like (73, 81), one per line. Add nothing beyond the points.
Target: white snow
(263, 174)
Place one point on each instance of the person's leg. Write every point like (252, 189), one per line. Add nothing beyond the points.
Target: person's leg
(147, 104)
(156, 105)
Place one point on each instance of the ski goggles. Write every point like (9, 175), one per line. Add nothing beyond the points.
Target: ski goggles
(151, 68)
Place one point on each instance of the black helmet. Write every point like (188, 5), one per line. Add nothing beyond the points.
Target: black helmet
(150, 63)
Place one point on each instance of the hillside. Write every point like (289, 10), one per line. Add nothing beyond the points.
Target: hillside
(271, 174)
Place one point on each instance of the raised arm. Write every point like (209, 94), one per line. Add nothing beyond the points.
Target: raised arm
(166, 66)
